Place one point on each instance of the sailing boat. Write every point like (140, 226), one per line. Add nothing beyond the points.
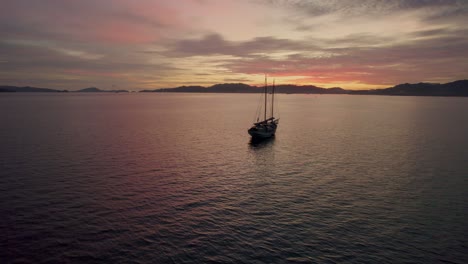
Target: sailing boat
(267, 127)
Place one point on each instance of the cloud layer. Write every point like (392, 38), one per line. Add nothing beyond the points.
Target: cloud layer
(151, 44)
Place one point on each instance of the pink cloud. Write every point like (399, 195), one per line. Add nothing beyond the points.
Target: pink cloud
(426, 60)
(121, 22)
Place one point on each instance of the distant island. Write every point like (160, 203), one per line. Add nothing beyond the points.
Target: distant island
(29, 89)
(456, 88)
(244, 88)
(97, 90)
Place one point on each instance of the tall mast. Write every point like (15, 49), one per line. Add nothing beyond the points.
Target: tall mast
(264, 115)
(272, 98)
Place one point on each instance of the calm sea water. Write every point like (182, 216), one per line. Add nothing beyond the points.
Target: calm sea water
(173, 178)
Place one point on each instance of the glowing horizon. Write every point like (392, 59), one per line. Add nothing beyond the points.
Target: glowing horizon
(147, 44)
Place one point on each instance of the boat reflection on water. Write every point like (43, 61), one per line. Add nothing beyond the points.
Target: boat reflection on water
(261, 142)
(262, 156)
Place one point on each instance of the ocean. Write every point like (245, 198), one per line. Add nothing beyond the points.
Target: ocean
(174, 178)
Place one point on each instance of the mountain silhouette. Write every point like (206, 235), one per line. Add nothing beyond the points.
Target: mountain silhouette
(244, 88)
(97, 90)
(456, 88)
(28, 89)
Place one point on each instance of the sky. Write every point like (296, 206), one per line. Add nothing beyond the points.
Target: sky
(150, 44)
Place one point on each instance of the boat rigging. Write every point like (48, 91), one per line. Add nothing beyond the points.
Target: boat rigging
(267, 127)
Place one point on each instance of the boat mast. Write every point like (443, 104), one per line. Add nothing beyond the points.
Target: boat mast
(264, 115)
(272, 97)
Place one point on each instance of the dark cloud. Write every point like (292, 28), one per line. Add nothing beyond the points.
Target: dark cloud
(360, 39)
(215, 44)
(363, 7)
(432, 12)
(432, 32)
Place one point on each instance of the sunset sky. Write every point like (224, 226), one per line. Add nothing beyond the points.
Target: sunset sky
(145, 44)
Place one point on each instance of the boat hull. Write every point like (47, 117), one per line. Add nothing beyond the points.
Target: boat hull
(263, 129)
(261, 134)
